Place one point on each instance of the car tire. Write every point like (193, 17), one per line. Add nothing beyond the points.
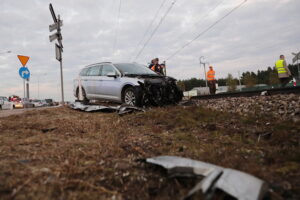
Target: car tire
(130, 97)
(0, 107)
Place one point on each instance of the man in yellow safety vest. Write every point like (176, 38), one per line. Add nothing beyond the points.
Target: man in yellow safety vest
(211, 80)
(283, 71)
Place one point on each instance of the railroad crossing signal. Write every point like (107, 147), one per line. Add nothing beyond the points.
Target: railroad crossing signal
(56, 26)
(297, 57)
(58, 47)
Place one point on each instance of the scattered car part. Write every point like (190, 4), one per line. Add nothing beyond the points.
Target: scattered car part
(121, 110)
(238, 184)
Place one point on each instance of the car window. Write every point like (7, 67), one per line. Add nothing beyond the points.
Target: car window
(84, 72)
(134, 68)
(94, 71)
(5, 98)
(107, 69)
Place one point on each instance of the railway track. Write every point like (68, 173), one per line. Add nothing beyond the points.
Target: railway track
(272, 91)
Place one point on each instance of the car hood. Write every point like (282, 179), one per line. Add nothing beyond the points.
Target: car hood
(151, 78)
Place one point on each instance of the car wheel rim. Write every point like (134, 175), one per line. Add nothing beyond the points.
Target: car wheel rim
(130, 98)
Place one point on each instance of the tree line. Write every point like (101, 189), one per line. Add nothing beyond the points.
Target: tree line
(249, 79)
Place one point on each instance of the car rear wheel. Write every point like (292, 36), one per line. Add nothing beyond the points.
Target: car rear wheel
(129, 97)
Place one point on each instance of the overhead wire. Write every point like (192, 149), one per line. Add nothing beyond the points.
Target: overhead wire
(150, 25)
(156, 28)
(207, 29)
(205, 15)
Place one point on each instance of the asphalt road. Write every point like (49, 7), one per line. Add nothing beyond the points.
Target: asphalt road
(6, 113)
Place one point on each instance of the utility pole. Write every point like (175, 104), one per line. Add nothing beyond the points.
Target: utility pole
(27, 89)
(165, 69)
(240, 81)
(200, 59)
(58, 47)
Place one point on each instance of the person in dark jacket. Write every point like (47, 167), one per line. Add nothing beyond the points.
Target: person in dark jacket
(154, 66)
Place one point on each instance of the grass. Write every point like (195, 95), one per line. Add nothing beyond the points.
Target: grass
(66, 154)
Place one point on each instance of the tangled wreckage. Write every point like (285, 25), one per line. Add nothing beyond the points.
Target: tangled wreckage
(158, 92)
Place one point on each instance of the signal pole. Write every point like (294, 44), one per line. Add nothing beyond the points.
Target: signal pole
(58, 47)
(200, 59)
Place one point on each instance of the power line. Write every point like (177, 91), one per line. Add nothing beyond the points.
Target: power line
(151, 23)
(117, 29)
(210, 27)
(205, 16)
(156, 28)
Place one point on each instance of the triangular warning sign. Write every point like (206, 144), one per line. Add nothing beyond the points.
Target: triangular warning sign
(23, 59)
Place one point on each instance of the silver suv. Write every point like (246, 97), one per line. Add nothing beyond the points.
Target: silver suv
(128, 83)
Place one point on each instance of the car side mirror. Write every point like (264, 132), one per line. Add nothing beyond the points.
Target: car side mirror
(112, 74)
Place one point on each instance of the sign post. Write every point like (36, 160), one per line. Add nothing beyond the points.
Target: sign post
(297, 58)
(200, 59)
(24, 74)
(58, 47)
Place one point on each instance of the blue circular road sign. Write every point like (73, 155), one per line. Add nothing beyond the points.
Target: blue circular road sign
(24, 72)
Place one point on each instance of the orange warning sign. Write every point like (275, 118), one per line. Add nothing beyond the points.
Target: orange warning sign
(23, 59)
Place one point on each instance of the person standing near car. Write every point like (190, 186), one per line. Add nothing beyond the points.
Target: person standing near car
(211, 80)
(154, 66)
(283, 71)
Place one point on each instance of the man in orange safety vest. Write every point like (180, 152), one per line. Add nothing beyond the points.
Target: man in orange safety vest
(211, 80)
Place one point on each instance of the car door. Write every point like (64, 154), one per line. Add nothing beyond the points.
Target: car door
(90, 81)
(110, 86)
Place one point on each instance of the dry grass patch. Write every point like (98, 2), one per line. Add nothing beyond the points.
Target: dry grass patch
(66, 154)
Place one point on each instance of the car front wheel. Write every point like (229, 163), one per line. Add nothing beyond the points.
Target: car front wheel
(129, 97)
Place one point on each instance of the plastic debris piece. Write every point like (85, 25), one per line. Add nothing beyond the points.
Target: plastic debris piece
(238, 184)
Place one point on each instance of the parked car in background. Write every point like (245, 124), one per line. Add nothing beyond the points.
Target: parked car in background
(37, 103)
(50, 102)
(6, 104)
(45, 103)
(16, 100)
(26, 103)
(129, 83)
(13, 98)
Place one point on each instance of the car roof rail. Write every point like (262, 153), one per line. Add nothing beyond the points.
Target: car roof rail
(96, 64)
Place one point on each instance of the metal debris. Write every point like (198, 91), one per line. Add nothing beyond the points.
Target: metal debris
(121, 110)
(125, 109)
(238, 184)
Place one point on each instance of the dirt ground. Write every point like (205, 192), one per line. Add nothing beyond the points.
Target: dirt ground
(66, 154)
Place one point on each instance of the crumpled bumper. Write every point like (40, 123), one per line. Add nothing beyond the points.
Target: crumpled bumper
(158, 92)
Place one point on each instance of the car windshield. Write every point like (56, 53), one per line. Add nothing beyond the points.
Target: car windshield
(134, 69)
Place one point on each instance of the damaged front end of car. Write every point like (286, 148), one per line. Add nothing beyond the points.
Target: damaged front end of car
(158, 92)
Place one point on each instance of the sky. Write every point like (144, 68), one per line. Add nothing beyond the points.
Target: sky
(249, 39)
